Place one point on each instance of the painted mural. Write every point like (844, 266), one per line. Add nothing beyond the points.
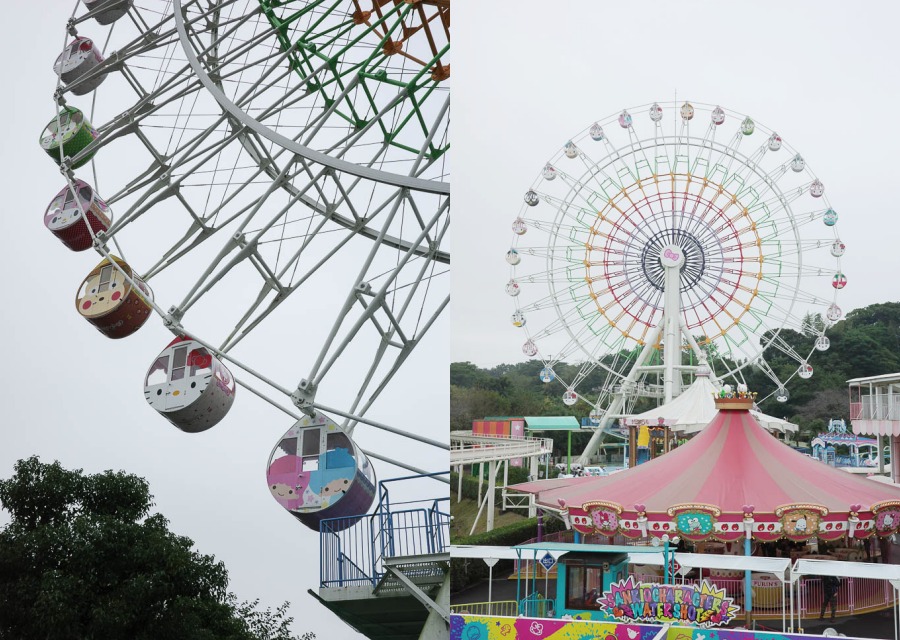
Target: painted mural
(466, 627)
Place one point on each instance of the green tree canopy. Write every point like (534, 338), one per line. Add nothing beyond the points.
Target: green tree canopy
(84, 558)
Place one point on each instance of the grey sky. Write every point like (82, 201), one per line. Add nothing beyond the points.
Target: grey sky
(75, 396)
(818, 73)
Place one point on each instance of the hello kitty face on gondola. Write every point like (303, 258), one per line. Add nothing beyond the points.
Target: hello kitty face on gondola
(717, 116)
(687, 111)
(102, 292)
(774, 142)
(65, 209)
(656, 112)
(816, 189)
(79, 50)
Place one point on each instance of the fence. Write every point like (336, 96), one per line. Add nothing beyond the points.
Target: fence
(352, 550)
(499, 608)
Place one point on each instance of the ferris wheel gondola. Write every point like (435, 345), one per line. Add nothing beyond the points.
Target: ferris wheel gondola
(316, 472)
(72, 210)
(189, 386)
(114, 299)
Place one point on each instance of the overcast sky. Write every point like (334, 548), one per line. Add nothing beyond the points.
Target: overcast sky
(75, 396)
(530, 76)
(527, 76)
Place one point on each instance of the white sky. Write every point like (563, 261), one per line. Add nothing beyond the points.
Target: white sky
(529, 76)
(74, 396)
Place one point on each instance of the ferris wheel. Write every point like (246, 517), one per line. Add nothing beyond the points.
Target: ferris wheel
(667, 238)
(243, 166)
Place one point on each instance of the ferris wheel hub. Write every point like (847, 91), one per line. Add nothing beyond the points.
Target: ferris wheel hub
(672, 256)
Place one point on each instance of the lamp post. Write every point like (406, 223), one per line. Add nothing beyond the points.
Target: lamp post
(667, 560)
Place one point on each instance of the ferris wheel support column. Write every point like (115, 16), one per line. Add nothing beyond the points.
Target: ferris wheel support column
(618, 403)
(672, 258)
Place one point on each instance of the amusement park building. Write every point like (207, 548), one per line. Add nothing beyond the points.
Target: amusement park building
(875, 411)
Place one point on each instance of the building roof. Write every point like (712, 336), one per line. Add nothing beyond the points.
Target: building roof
(552, 423)
(886, 378)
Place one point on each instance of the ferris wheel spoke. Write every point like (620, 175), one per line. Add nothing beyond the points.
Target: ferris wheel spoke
(321, 366)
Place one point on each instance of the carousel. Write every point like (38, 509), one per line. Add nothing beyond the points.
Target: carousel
(733, 479)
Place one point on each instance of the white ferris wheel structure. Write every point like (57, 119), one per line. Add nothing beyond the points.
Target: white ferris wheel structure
(669, 238)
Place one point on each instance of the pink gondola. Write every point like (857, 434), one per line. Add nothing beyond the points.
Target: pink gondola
(317, 472)
(69, 214)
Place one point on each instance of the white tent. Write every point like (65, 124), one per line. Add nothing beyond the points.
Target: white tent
(689, 412)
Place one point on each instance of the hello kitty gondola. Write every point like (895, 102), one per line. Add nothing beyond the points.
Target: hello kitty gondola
(71, 130)
(109, 302)
(317, 472)
(189, 386)
(79, 58)
(108, 11)
(69, 214)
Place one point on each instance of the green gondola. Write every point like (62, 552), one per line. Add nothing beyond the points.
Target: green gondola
(73, 131)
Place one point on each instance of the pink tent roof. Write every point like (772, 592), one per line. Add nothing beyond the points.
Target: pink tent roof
(738, 472)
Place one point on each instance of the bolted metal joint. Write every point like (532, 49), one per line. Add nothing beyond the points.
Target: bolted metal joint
(175, 315)
(364, 289)
(304, 396)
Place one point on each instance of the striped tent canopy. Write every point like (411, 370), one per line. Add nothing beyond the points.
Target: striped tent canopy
(732, 479)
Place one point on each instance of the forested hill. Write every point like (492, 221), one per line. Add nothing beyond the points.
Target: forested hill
(865, 343)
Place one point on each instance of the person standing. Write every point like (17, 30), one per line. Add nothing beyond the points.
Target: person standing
(830, 587)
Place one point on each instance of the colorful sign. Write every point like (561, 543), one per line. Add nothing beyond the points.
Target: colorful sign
(704, 605)
(469, 627)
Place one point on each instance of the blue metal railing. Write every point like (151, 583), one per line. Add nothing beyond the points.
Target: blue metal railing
(352, 550)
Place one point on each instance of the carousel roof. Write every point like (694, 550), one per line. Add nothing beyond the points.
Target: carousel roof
(731, 463)
(694, 409)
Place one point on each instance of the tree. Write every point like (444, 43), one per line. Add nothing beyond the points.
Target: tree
(84, 558)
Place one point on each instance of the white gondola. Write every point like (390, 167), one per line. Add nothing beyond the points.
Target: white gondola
(189, 386)
(316, 472)
(80, 57)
